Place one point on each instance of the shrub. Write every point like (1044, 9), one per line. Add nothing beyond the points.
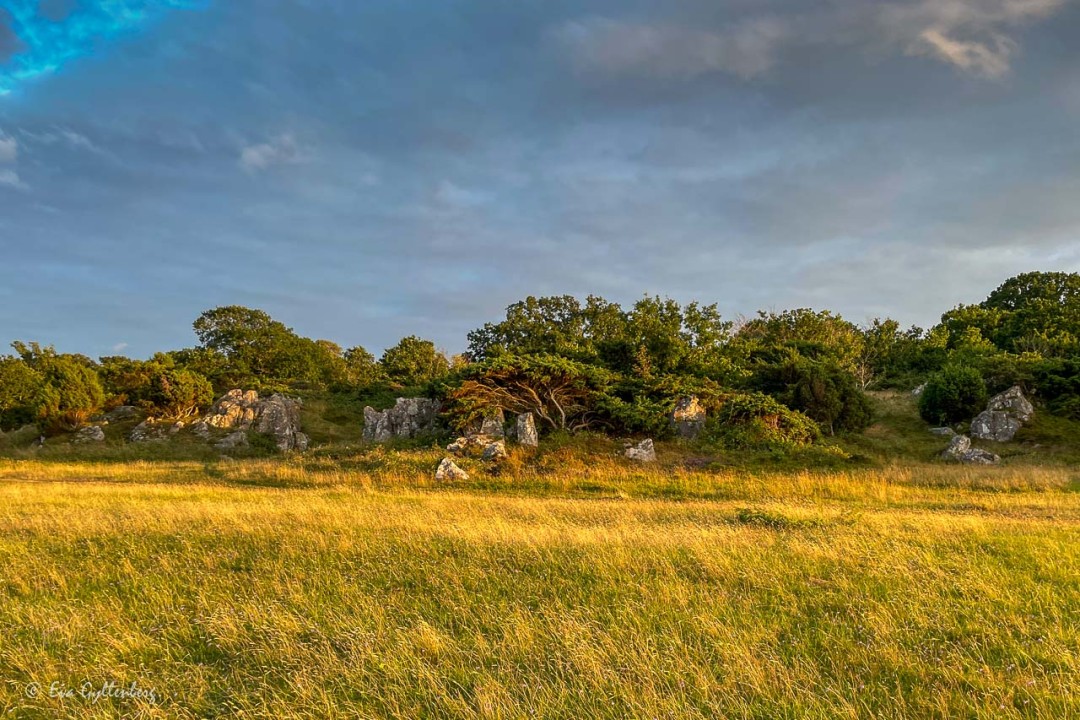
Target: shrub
(954, 394)
(70, 395)
(20, 389)
(754, 421)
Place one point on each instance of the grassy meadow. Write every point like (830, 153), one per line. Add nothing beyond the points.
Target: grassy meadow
(346, 583)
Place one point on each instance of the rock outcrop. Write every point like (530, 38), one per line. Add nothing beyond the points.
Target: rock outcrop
(123, 412)
(145, 431)
(235, 439)
(643, 451)
(960, 450)
(409, 418)
(688, 418)
(277, 416)
(448, 471)
(494, 451)
(943, 432)
(1005, 414)
(525, 430)
(90, 434)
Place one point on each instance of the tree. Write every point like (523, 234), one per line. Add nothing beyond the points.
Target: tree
(20, 389)
(954, 394)
(414, 362)
(157, 385)
(361, 369)
(815, 334)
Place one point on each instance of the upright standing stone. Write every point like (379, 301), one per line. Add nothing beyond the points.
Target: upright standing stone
(526, 430)
(688, 418)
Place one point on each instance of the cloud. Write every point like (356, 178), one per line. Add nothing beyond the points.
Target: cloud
(9, 150)
(669, 51)
(9, 41)
(120, 347)
(279, 151)
(10, 178)
(975, 36)
(9, 155)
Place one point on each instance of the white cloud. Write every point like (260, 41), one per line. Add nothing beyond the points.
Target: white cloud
(279, 151)
(119, 347)
(9, 154)
(10, 178)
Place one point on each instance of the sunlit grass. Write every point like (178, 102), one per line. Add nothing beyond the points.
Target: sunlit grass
(358, 588)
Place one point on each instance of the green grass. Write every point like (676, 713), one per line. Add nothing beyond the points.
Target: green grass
(567, 583)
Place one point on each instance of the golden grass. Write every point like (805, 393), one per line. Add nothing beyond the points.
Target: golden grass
(309, 588)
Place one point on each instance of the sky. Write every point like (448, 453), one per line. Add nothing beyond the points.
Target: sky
(368, 170)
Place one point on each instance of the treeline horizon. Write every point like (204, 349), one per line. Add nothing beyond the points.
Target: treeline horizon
(624, 365)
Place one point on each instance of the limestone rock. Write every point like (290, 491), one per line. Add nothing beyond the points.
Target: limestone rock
(449, 472)
(234, 439)
(176, 427)
(277, 416)
(1005, 414)
(958, 445)
(1013, 403)
(975, 456)
(688, 418)
(495, 451)
(644, 451)
(469, 445)
(995, 425)
(146, 430)
(201, 429)
(525, 430)
(90, 434)
(492, 424)
(917, 392)
(943, 431)
(409, 418)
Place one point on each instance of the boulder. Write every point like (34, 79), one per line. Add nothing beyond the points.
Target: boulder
(943, 432)
(644, 451)
(525, 430)
(176, 427)
(469, 445)
(409, 418)
(975, 456)
(145, 431)
(917, 392)
(958, 445)
(494, 451)
(1005, 414)
(90, 434)
(995, 425)
(688, 417)
(1013, 403)
(201, 429)
(277, 416)
(449, 472)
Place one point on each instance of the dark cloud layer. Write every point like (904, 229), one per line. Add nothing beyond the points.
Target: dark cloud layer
(367, 170)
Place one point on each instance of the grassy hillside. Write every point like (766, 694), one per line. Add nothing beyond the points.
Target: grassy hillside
(859, 579)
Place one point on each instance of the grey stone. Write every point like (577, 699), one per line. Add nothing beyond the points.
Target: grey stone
(495, 451)
(90, 434)
(1013, 403)
(919, 390)
(958, 445)
(943, 431)
(644, 451)
(145, 431)
(688, 418)
(995, 425)
(449, 472)
(123, 412)
(201, 429)
(409, 418)
(277, 416)
(975, 456)
(492, 424)
(176, 427)
(525, 430)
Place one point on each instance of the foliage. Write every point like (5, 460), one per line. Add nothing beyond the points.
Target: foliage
(156, 385)
(413, 362)
(754, 421)
(955, 394)
(70, 391)
(20, 388)
(561, 393)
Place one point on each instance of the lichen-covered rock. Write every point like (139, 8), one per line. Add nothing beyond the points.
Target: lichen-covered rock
(277, 416)
(493, 424)
(448, 471)
(409, 418)
(201, 429)
(176, 427)
(525, 430)
(688, 418)
(123, 412)
(958, 445)
(1013, 403)
(976, 456)
(145, 431)
(943, 432)
(494, 451)
(644, 452)
(90, 434)
(917, 392)
(469, 445)
(1005, 414)
(995, 425)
